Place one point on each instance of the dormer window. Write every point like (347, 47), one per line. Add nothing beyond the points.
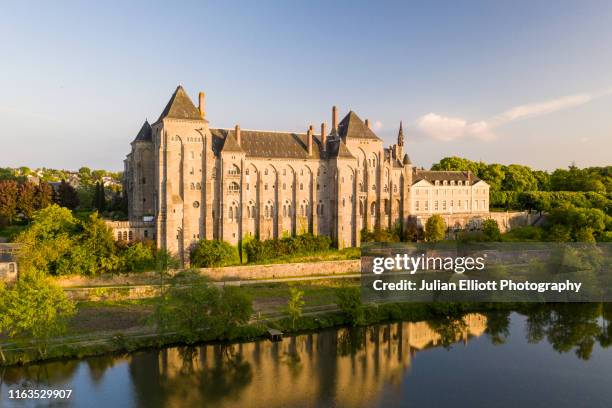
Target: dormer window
(234, 170)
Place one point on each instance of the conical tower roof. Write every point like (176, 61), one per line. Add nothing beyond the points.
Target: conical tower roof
(145, 133)
(180, 107)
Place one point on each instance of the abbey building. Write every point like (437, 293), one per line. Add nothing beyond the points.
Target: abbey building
(187, 181)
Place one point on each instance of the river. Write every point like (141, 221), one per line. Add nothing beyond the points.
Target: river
(549, 356)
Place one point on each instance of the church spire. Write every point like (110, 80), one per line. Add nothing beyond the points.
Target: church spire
(400, 135)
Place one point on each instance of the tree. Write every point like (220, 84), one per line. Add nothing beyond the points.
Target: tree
(85, 175)
(519, 178)
(37, 309)
(435, 228)
(137, 257)
(44, 195)
(27, 199)
(47, 240)
(202, 310)
(494, 175)
(348, 299)
(295, 304)
(491, 230)
(67, 196)
(9, 191)
(99, 200)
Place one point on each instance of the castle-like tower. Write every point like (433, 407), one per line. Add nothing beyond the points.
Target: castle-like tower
(186, 181)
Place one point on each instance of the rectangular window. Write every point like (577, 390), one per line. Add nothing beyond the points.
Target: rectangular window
(416, 206)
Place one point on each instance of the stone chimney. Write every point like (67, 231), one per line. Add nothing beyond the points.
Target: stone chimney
(334, 120)
(237, 130)
(202, 105)
(309, 137)
(323, 137)
(367, 123)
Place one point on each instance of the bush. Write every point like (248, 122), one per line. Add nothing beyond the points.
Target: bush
(348, 299)
(137, 257)
(261, 251)
(434, 228)
(209, 254)
(491, 230)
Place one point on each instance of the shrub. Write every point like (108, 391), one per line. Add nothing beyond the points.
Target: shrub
(208, 254)
(348, 299)
(137, 257)
(491, 230)
(261, 251)
(434, 228)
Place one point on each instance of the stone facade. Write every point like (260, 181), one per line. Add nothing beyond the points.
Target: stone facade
(186, 181)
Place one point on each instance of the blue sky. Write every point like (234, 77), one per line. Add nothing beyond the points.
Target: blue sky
(510, 82)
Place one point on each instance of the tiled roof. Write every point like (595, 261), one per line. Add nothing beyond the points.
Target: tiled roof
(353, 127)
(258, 143)
(433, 176)
(145, 133)
(180, 107)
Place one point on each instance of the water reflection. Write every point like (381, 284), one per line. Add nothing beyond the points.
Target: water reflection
(346, 367)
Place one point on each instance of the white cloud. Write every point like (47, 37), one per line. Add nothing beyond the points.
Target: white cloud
(447, 128)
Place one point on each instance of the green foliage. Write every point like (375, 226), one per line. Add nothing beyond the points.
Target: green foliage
(490, 230)
(201, 310)
(348, 299)
(262, 251)
(57, 243)
(35, 309)
(99, 199)
(295, 304)
(584, 223)
(559, 233)
(9, 190)
(137, 257)
(213, 253)
(520, 178)
(67, 196)
(522, 234)
(380, 235)
(435, 228)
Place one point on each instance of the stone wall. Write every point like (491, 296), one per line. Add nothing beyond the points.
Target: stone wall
(219, 274)
(282, 270)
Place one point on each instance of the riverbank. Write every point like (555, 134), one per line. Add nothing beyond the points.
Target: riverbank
(81, 345)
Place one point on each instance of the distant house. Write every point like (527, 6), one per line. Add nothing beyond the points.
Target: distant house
(8, 262)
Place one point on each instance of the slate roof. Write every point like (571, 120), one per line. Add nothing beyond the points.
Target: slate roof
(258, 143)
(145, 133)
(180, 107)
(433, 176)
(352, 126)
(406, 159)
(7, 258)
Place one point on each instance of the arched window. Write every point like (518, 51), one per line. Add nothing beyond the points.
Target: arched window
(192, 186)
(125, 237)
(131, 235)
(373, 209)
(284, 210)
(198, 186)
(233, 187)
(231, 213)
(267, 212)
(360, 207)
(301, 186)
(248, 212)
